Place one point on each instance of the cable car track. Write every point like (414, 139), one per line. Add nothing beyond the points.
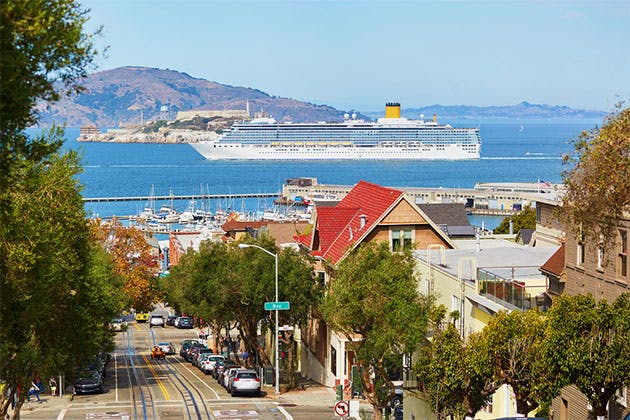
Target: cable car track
(187, 394)
(145, 396)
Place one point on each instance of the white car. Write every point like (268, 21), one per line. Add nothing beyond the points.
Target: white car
(245, 381)
(167, 347)
(226, 378)
(156, 321)
(207, 365)
(118, 324)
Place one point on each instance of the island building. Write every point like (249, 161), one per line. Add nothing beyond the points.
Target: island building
(204, 113)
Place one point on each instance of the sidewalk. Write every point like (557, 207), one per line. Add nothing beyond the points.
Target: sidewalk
(49, 403)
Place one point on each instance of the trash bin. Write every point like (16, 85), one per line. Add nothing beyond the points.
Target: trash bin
(268, 375)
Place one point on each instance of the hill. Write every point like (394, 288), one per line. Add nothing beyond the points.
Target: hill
(523, 110)
(126, 95)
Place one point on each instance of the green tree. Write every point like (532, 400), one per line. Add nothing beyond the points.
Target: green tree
(598, 186)
(374, 304)
(587, 345)
(455, 376)
(223, 284)
(515, 340)
(526, 219)
(50, 271)
(58, 290)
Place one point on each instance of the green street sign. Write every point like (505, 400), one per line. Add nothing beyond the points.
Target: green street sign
(277, 306)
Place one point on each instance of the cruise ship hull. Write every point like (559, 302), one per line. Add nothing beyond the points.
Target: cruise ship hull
(214, 150)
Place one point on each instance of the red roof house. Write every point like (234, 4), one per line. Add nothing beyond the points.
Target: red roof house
(370, 212)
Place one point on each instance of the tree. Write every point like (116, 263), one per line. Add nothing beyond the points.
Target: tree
(50, 272)
(58, 290)
(223, 284)
(515, 340)
(525, 219)
(133, 260)
(455, 376)
(587, 345)
(374, 304)
(598, 186)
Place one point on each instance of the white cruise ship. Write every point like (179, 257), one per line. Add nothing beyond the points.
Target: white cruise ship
(389, 138)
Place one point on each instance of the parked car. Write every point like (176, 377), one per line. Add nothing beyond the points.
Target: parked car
(184, 322)
(142, 317)
(117, 324)
(156, 321)
(199, 354)
(167, 347)
(185, 345)
(88, 381)
(192, 351)
(209, 363)
(170, 320)
(227, 380)
(221, 366)
(245, 381)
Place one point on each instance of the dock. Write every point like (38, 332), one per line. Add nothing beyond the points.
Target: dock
(182, 197)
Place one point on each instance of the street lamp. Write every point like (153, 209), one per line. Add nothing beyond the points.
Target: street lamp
(242, 246)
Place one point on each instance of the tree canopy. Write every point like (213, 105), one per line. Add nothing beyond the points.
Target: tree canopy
(374, 304)
(598, 186)
(222, 283)
(586, 344)
(526, 219)
(455, 375)
(57, 289)
(133, 260)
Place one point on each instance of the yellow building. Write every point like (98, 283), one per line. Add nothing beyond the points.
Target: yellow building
(478, 279)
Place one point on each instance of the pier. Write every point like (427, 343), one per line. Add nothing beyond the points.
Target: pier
(181, 197)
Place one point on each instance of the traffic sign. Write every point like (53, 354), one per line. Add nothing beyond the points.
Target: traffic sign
(277, 306)
(285, 328)
(342, 408)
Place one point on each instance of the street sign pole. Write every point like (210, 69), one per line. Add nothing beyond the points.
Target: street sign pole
(277, 339)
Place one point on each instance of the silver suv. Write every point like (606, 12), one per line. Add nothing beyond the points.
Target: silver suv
(245, 381)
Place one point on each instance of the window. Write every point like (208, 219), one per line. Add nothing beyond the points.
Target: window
(333, 360)
(600, 253)
(401, 238)
(321, 278)
(456, 309)
(622, 260)
(395, 240)
(581, 248)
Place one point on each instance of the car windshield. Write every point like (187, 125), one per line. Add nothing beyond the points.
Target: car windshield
(164, 344)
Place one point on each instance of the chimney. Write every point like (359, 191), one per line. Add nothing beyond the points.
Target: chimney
(363, 218)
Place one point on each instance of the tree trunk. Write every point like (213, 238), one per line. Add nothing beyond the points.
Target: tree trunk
(600, 411)
(289, 343)
(522, 407)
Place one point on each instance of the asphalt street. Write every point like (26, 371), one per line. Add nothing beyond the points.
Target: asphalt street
(137, 387)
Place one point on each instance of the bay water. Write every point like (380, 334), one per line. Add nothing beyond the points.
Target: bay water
(512, 151)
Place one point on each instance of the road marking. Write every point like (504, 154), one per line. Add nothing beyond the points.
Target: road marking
(116, 377)
(200, 379)
(62, 413)
(285, 412)
(157, 379)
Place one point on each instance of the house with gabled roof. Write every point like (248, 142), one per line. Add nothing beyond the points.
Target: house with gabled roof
(368, 213)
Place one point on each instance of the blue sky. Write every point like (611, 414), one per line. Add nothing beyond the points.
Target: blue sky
(361, 54)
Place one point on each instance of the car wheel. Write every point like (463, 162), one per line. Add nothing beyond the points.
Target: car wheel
(233, 393)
